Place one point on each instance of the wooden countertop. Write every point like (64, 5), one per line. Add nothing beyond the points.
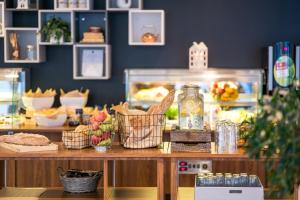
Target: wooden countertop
(117, 152)
(34, 129)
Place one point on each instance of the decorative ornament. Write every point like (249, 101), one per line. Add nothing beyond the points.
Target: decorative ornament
(23, 4)
(15, 46)
(198, 57)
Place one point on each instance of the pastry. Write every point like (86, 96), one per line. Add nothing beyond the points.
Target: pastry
(92, 37)
(74, 93)
(39, 93)
(26, 139)
(82, 128)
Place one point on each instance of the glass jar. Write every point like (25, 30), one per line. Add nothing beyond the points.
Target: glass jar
(191, 108)
(30, 52)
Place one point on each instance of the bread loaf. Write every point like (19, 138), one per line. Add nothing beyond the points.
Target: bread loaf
(25, 139)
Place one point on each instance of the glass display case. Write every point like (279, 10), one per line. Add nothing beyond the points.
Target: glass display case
(229, 94)
(12, 87)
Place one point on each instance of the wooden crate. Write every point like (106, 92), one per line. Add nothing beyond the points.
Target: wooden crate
(191, 140)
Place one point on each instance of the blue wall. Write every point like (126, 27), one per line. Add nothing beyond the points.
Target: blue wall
(234, 30)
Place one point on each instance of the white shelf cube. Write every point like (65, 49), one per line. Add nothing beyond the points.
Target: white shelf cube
(45, 15)
(26, 36)
(86, 19)
(91, 62)
(2, 21)
(89, 5)
(138, 19)
(111, 5)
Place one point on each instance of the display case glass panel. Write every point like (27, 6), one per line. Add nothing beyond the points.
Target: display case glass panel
(228, 93)
(13, 85)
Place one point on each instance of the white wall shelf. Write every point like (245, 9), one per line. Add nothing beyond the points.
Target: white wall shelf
(91, 62)
(86, 19)
(112, 5)
(25, 36)
(139, 23)
(81, 5)
(2, 20)
(46, 15)
(12, 5)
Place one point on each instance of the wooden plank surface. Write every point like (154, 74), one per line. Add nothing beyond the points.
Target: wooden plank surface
(34, 129)
(116, 152)
(160, 179)
(141, 193)
(174, 179)
(23, 148)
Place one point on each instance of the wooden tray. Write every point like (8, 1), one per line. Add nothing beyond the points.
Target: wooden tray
(190, 136)
(198, 147)
(23, 149)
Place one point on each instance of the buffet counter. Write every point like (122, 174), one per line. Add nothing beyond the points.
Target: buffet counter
(119, 153)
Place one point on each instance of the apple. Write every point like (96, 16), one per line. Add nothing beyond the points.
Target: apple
(215, 85)
(95, 125)
(100, 117)
(95, 140)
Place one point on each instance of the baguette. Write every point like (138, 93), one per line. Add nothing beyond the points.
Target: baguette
(25, 139)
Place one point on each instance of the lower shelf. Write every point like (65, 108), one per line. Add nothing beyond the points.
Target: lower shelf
(137, 193)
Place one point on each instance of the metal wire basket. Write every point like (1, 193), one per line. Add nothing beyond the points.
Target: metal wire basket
(76, 139)
(141, 131)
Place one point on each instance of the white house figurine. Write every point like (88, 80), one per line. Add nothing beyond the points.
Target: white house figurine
(23, 4)
(198, 57)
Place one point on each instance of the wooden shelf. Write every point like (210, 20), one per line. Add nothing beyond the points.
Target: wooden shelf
(136, 193)
(46, 15)
(83, 71)
(2, 20)
(88, 6)
(111, 5)
(142, 20)
(26, 36)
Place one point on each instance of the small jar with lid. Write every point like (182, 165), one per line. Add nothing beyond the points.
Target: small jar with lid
(30, 52)
(191, 108)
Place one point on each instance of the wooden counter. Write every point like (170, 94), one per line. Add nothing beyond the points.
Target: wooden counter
(119, 153)
(116, 153)
(41, 172)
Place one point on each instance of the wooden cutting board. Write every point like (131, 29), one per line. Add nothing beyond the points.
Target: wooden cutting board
(23, 148)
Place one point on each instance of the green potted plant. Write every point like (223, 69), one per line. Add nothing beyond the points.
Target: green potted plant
(275, 136)
(56, 31)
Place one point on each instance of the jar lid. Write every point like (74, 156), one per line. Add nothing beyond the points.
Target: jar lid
(190, 86)
(29, 46)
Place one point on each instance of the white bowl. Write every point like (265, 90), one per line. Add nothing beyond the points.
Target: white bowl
(74, 102)
(38, 103)
(51, 122)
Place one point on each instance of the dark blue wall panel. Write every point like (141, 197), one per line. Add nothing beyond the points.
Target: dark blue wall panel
(234, 30)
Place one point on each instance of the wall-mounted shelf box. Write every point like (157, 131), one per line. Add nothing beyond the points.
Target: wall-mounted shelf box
(12, 5)
(45, 15)
(2, 22)
(91, 62)
(139, 20)
(25, 36)
(86, 19)
(81, 5)
(111, 5)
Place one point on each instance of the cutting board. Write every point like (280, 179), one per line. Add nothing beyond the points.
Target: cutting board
(23, 148)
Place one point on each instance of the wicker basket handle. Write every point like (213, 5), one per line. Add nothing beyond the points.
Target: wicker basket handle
(60, 171)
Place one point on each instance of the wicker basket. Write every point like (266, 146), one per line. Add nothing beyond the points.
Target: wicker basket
(73, 184)
(141, 131)
(76, 140)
